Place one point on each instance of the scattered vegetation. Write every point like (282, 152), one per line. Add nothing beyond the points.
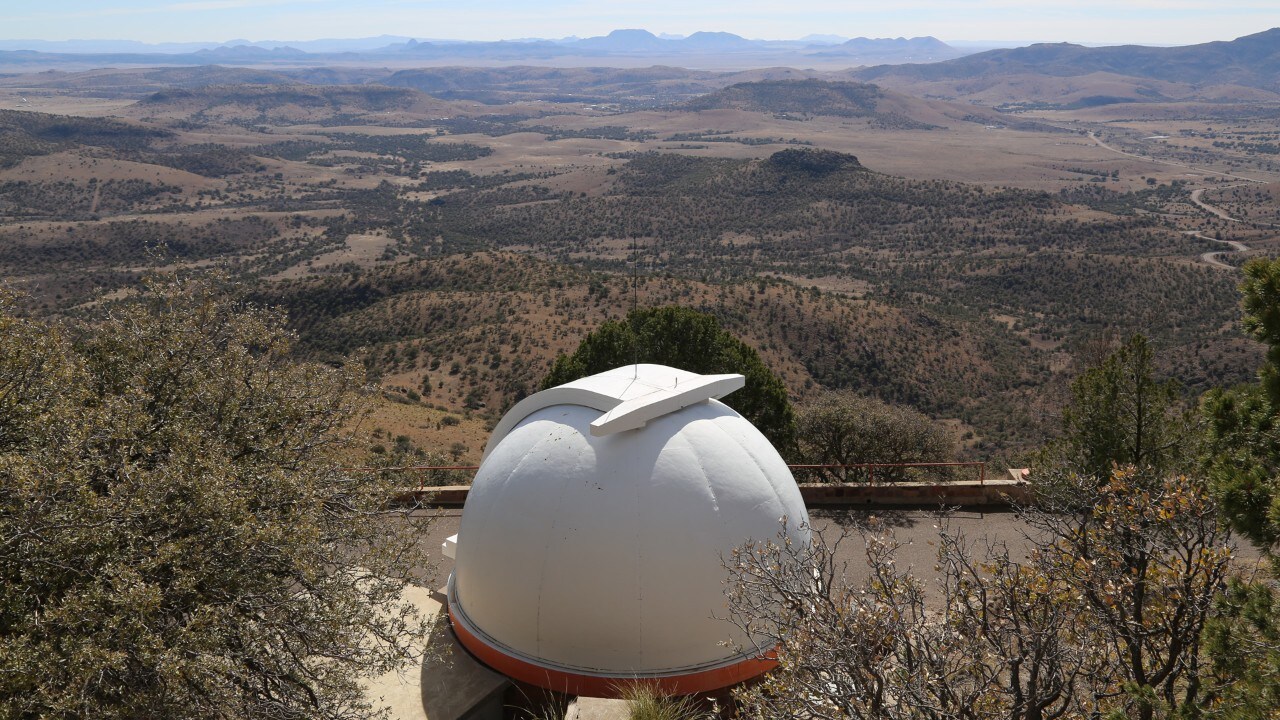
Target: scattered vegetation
(25, 134)
(176, 539)
(65, 199)
(807, 97)
(644, 702)
(956, 300)
(842, 428)
(1103, 617)
(873, 302)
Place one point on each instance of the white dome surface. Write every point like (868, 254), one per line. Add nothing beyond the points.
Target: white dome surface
(601, 554)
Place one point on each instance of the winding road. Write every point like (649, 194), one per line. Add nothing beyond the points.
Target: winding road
(1213, 257)
(1197, 197)
(1118, 151)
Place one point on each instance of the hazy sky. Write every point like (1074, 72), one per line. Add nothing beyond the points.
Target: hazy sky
(1170, 22)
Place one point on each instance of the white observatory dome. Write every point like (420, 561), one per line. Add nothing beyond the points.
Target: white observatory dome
(590, 545)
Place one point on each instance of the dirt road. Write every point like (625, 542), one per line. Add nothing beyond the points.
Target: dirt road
(1213, 258)
(1171, 163)
(1197, 197)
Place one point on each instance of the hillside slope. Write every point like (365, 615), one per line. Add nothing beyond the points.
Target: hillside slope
(1250, 61)
(292, 103)
(808, 96)
(481, 331)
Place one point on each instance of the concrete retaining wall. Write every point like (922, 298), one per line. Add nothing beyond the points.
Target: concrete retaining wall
(929, 496)
(991, 494)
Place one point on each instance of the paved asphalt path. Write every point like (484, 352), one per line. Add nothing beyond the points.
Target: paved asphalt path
(913, 528)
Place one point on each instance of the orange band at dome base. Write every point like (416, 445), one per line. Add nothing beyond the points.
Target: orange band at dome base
(572, 683)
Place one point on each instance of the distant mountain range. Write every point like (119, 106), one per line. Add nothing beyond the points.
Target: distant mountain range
(630, 43)
(1251, 61)
(1246, 69)
(98, 47)
(919, 49)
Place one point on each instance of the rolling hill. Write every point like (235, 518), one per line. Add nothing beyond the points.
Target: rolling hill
(528, 82)
(27, 134)
(140, 82)
(801, 97)
(1251, 61)
(292, 103)
(809, 96)
(480, 331)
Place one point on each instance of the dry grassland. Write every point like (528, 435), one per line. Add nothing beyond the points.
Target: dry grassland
(979, 150)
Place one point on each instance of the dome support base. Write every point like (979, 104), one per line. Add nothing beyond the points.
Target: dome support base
(606, 686)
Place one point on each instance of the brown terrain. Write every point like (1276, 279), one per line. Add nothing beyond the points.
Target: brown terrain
(945, 243)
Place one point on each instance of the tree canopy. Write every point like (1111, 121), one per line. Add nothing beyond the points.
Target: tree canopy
(693, 341)
(844, 428)
(1261, 302)
(1120, 415)
(175, 537)
(1244, 446)
(1101, 619)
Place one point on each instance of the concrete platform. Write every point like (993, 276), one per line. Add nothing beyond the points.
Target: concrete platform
(996, 494)
(448, 685)
(588, 708)
(993, 494)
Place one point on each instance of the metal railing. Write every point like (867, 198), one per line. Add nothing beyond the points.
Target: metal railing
(865, 473)
(430, 476)
(857, 473)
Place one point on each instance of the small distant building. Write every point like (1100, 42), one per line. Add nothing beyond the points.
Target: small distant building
(590, 548)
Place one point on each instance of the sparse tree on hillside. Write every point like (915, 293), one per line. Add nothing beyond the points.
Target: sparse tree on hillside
(1120, 415)
(1145, 560)
(1261, 289)
(1242, 641)
(1244, 422)
(1102, 618)
(1002, 642)
(844, 428)
(693, 341)
(176, 540)
(1243, 459)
